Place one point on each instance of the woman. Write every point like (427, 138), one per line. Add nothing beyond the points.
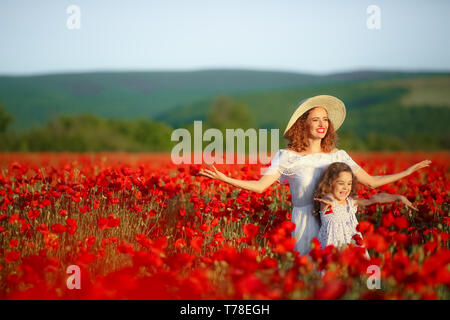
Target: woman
(311, 148)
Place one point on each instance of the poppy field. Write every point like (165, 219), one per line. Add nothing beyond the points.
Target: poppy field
(139, 227)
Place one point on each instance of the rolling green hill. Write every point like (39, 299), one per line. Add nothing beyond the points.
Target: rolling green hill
(272, 109)
(414, 109)
(138, 111)
(34, 100)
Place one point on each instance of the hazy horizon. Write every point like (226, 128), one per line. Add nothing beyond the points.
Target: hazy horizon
(218, 69)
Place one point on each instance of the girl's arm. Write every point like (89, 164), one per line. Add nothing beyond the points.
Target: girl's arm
(377, 181)
(257, 186)
(384, 198)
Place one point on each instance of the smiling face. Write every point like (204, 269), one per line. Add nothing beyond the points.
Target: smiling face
(342, 186)
(318, 123)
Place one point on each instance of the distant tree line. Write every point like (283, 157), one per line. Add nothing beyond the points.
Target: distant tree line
(87, 132)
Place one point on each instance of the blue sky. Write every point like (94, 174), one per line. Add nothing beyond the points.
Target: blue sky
(299, 36)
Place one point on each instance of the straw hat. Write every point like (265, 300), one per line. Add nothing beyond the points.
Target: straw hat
(334, 107)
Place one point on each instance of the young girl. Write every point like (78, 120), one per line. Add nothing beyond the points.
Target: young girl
(337, 197)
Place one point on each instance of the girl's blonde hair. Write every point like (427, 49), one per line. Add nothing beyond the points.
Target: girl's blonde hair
(325, 185)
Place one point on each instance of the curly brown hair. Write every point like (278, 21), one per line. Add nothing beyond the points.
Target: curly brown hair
(325, 185)
(298, 135)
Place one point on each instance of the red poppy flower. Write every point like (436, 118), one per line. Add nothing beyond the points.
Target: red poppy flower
(34, 213)
(13, 243)
(289, 226)
(269, 263)
(90, 241)
(250, 231)
(365, 227)
(180, 243)
(215, 222)
(45, 203)
(194, 170)
(13, 218)
(125, 247)
(71, 225)
(357, 239)
(375, 241)
(143, 240)
(387, 219)
(196, 243)
(218, 238)
(250, 285)
(58, 228)
(12, 256)
(86, 258)
(285, 245)
(401, 222)
(16, 165)
(113, 222)
(102, 223)
(332, 289)
(43, 228)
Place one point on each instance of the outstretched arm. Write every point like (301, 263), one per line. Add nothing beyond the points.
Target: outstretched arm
(377, 181)
(325, 203)
(384, 198)
(257, 186)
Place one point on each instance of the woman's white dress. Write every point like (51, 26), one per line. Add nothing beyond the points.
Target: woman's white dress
(338, 227)
(303, 172)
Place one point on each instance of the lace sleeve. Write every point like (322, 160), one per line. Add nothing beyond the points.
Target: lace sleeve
(344, 157)
(278, 165)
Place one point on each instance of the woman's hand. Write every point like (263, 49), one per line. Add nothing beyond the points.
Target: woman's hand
(213, 174)
(418, 166)
(407, 203)
(257, 186)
